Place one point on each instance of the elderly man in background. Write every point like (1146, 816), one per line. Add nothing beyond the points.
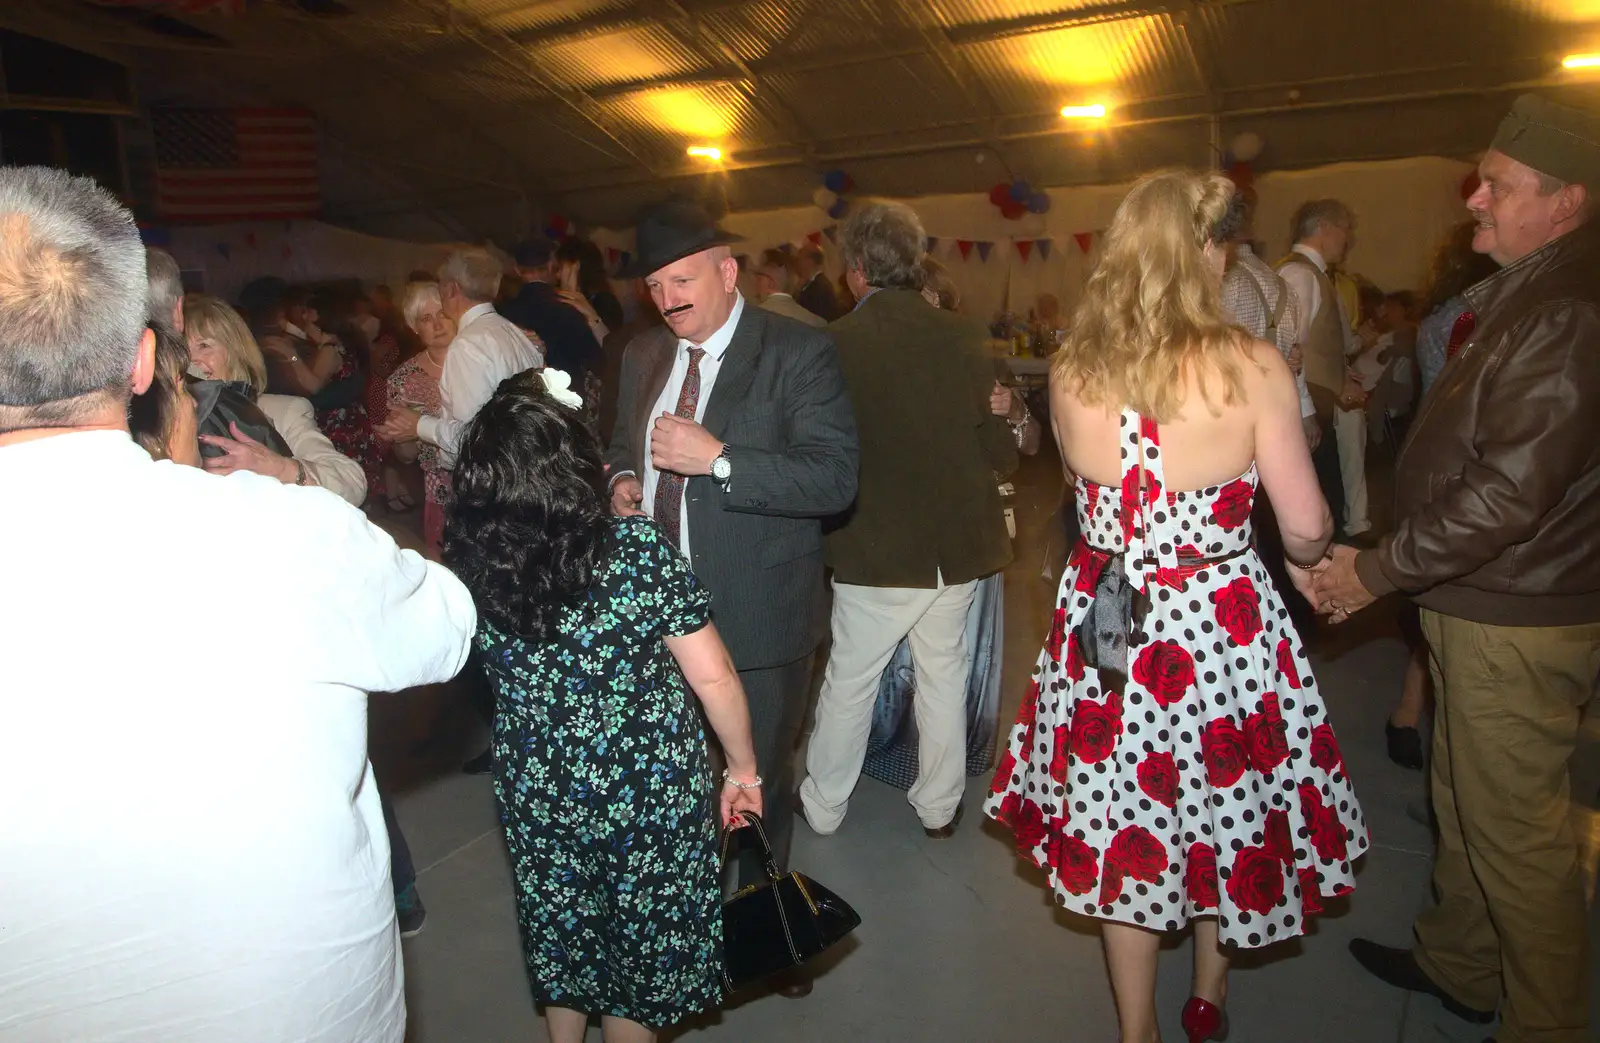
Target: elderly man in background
(1324, 230)
(734, 432)
(775, 278)
(1497, 510)
(816, 292)
(166, 288)
(487, 349)
(213, 864)
(927, 525)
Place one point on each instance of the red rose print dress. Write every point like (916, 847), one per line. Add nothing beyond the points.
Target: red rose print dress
(1172, 757)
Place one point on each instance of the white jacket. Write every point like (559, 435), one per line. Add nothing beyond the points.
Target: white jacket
(325, 465)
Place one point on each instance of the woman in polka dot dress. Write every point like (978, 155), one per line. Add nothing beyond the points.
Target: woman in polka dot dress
(1172, 761)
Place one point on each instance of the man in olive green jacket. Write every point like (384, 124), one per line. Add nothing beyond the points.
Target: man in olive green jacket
(927, 523)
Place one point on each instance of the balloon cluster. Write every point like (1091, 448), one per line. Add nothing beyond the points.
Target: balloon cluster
(829, 197)
(1238, 162)
(557, 227)
(1016, 198)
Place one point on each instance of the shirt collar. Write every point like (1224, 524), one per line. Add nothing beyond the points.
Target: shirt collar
(1315, 257)
(717, 344)
(294, 331)
(473, 312)
(867, 296)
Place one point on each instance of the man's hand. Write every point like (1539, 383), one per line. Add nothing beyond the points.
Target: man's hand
(399, 426)
(682, 446)
(1296, 360)
(1313, 429)
(1339, 590)
(626, 496)
(243, 453)
(1004, 403)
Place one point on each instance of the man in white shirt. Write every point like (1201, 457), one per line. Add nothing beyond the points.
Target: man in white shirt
(1324, 231)
(210, 861)
(487, 349)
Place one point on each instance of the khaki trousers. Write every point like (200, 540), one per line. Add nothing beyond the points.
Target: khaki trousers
(1510, 916)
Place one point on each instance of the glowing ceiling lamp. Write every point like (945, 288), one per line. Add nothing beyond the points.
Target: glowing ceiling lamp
(710, 152)
(1084, 112)
(1581, 61)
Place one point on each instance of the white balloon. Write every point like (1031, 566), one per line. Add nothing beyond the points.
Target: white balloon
(824, 198)
(1247, 146)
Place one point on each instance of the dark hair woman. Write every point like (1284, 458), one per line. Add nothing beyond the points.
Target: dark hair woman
(590, 626)
(162, 420)
(1456, 266)
(582, 274)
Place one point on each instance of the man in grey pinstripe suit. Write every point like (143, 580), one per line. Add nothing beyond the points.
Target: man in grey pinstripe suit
(735, 432)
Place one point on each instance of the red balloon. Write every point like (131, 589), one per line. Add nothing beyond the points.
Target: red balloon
(1469, 185)
(1242, 174)
(1000, 194)
(1013, 211)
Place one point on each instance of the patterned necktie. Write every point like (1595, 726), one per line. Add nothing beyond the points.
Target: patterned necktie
(669, 486)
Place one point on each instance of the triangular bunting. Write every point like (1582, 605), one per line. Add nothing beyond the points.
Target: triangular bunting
(814, 238)
(1044, 246)
(983, 250)
(832, 232)
(965, 246)
(1085, 240)
(612, 253)
(623, 258)
(1024, 247)
(224, 249)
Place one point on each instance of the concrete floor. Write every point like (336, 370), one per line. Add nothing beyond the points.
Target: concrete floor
(959, 941)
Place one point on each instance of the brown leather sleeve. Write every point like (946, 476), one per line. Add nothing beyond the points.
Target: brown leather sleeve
(1536, 430)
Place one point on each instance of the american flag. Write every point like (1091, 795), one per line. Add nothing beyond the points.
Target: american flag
(215, 165)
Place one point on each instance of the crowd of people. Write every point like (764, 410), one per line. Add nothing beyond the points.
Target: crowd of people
(629, 528)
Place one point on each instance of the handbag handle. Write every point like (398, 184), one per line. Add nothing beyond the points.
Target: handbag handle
(752, 822)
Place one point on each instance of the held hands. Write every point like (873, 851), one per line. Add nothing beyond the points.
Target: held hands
(399, 426)
(1313, 429)
(682, 446)
(736, 800)
(626, 496)
(1297, 360)
(1332, 585)
(243, 453)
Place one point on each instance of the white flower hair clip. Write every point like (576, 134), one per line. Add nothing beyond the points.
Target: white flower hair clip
(558, 385)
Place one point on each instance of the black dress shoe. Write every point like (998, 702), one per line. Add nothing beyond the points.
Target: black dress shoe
(1399, 968)
(482, 764)
(946, 831)
(1405, 746)
(792, 985)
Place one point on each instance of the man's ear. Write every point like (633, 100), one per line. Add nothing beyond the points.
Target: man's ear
(1571, 202)
(144, 363)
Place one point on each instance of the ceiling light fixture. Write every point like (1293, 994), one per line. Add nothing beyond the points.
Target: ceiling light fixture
(1581, 61)
(710, 152)
(1084, 112)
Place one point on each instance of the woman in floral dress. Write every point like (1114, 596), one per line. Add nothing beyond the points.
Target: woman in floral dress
(1173, 761)
(414, 384)
(594, 632)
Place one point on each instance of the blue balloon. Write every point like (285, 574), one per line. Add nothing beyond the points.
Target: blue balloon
(835, 181)
(1021, 192)
(1038, 203)
(839, 209)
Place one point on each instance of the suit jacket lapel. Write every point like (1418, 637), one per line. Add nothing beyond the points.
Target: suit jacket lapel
(738, 370)
(657, 363)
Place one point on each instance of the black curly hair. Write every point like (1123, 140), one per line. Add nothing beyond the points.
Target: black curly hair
(527, 525)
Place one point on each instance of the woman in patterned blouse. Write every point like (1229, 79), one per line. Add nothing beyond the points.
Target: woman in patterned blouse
(415, 385)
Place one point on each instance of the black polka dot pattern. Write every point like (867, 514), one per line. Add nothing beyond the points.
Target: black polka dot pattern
(1208, 780)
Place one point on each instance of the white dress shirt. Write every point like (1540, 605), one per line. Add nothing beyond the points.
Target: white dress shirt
(488, 348)
(191, 846)
(1309, 290)
(715, 346)
(1250, 297)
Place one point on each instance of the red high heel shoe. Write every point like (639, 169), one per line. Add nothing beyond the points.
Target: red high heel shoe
(1204, 1021)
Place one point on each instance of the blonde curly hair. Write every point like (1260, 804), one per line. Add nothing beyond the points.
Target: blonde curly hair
(1152, 313)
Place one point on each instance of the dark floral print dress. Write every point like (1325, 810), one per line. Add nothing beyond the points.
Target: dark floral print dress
(606, 794)
(1172, 757)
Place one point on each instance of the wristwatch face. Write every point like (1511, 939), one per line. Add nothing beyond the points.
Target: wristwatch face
(721, 468)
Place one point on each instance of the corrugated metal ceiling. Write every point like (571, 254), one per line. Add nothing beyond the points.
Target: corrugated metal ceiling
(587, 105)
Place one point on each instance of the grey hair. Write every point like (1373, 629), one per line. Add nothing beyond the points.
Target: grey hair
(475, 270)
(72, 296)
(166, 285)
(418, 296)
(1312, 215)
(886, 241)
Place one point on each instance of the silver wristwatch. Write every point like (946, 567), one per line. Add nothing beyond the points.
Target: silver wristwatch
(722, 468)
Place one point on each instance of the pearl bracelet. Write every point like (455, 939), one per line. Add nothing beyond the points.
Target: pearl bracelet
(728, 780)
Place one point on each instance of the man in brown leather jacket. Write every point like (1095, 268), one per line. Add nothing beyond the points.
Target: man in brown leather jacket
(1498, 540)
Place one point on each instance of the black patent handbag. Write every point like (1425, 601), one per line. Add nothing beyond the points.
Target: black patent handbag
(772, 927)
